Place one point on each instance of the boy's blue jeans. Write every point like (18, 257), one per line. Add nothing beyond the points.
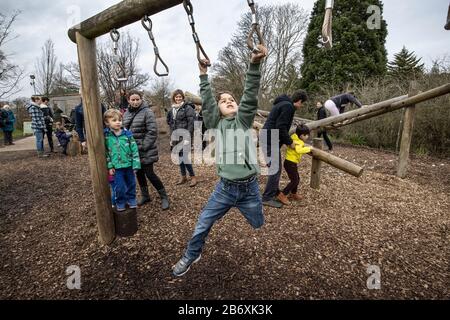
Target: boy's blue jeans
(125, 188)
(228, 194)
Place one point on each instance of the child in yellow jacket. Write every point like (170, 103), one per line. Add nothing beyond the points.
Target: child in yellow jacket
(293, 158)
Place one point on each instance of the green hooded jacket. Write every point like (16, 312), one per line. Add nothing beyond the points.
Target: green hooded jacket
(121, 151)
(235, 147)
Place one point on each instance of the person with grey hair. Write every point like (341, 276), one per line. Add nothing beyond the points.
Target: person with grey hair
(8, 120)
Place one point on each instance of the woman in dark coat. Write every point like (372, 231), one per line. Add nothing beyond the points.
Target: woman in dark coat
(140, 120)
(182, 117)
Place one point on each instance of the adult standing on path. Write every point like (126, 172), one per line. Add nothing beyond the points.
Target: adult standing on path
(8, 125)
(280, 118)
(37, 124)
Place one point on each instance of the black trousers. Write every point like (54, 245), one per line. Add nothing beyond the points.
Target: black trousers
(8, 136)
(326, 138)
(294, 177)
(147, 172)
(49, 134)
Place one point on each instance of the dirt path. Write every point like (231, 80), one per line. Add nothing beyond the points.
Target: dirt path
(318, 249)
(25, 144)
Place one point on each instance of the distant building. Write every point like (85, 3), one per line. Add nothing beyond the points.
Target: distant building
(65, 102)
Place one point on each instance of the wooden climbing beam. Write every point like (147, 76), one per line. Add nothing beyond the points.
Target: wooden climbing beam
(379, 108)
(337, 162)
(118, 16)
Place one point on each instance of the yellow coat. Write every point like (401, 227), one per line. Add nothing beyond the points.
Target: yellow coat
(300, 149)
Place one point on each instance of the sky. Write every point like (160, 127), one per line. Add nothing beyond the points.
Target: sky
(416, 24)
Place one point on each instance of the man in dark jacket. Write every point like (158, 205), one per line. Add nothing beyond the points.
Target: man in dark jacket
(280, 118)
(322, 114)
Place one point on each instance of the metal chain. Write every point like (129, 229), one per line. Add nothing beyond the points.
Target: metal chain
(190, 10)
(255, 29)
(148, 25)
(119, 70)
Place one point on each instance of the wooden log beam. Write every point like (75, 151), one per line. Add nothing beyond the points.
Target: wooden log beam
(118, 16)
(302, 120)
(339, 119)
(366, 116)
(337, 162)
(192, 98)
(95, 137)
(381, 107)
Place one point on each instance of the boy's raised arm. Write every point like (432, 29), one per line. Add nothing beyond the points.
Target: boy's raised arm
(249, 101)
(211, 116)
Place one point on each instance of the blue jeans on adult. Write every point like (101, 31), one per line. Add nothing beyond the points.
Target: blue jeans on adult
(228, 194)
(125, 188)
(184, 166)
(39, 134)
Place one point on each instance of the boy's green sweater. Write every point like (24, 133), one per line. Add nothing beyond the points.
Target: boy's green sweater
(121, 151)
(236, 151)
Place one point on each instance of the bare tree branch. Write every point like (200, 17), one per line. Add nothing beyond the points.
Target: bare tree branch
(10, 74)
(283, 27)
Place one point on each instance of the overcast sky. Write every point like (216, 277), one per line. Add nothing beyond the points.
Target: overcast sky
(416, 24)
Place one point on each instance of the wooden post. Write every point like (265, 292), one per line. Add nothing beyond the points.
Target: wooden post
(316, 165)
(95, 137)
(408, 127)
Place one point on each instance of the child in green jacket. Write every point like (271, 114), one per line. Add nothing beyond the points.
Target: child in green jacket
(122, 156)
(236, 162)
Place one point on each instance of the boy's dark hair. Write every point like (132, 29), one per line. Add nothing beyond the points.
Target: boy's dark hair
(220, 93)
(45, 99)
(302, 129)
(133, 92)
(34, 98)
(178, 92)
(299, 95)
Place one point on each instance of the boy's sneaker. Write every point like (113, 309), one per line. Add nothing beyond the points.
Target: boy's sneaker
(273, 203)
(183, 266)
(120, 209)
(132, 206)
